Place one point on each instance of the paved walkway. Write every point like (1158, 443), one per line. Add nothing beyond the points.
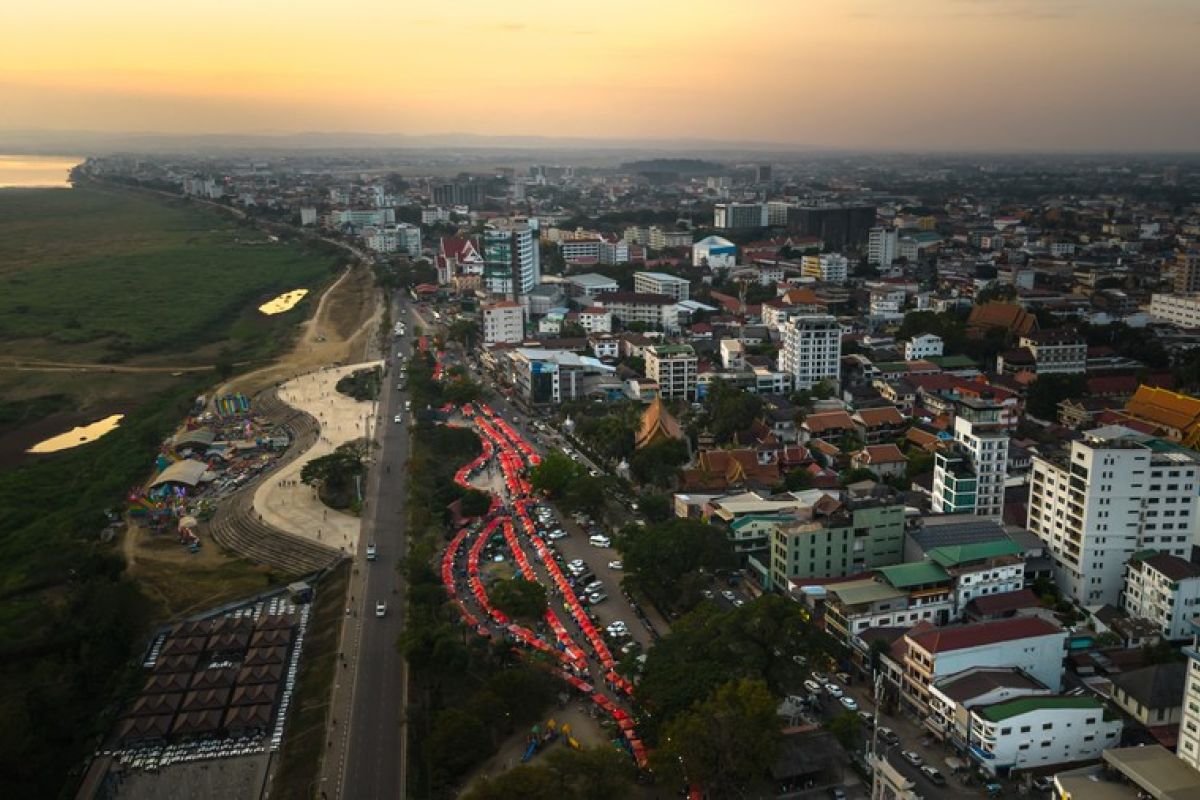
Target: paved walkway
(286, 503)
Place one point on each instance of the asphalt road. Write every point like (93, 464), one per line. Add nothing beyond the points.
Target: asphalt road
(376, 759)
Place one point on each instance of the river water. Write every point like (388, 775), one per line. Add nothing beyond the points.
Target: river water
(30, 172)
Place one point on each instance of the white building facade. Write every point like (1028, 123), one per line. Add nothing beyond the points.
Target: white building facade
(812, 349)
(674, 368)
(503, 322)
(1111, 494)
(969, 476)
(1164, 589)
(1032, 732)
(925, 345)
(662, 283)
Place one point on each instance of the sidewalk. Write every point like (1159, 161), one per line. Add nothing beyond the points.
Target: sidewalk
(286, 503)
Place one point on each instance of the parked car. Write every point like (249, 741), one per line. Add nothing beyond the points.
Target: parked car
(850, 703)
(837, 793)
(597, 597)
(372, 552)
(868, 719)
(833, 690)
(888, 736)
(912, 757)
(600, 541)
(1043, 784)
(616, 565)
(380, 609)
(812, 686)
(933, 775)
(728, 595)
(819, 678)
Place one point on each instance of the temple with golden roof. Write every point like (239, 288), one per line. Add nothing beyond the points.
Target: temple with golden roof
(1177, 415)
(658, 425)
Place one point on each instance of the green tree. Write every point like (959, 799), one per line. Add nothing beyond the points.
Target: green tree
(847, 727)
(555, 474)
(726, 743)
(729, 410)
(1045, 393)
(597, 773)
(658, 556)
(659, 463)
(858, 474)
(519, 598)
(457, 742)
(655, 507)
(464, 331)
(335, 475)
(587, 494)
(475, 503)
(796, 480)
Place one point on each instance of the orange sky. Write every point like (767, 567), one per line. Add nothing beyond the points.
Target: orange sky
(927, 74)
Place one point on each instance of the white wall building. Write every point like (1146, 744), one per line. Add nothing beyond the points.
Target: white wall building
(888, 302)
(826, 267)
(969, 477)
(1164, 589)
(714, 252)
(662, 283)
(503, 322)
(1032, 732)
(812, 349)
(733, 354)
(308, 216)
(730, 216)
(674, 367)
(882, 246)
(1189, 729)
(926, 345)
(663, 239)
(1113, 493)
(595, 320)
(656, 311)
(1181, 310)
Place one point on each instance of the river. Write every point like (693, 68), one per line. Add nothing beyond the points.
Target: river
(30, 172)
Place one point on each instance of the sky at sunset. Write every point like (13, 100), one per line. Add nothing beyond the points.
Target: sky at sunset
(900, 74)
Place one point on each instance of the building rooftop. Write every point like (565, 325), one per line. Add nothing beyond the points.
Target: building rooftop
(591, 279)
(1157, 771)
(961, 637)
(964, 686)
(956, 554)
(917, 573)
(860, 592)
(662, 276)
(1174, 567)
(1155, 686)
(998, 712)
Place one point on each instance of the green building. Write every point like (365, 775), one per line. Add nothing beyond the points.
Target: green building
(842, 538)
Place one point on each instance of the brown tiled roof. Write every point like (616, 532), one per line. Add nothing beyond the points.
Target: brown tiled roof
(1008, 316)
(1166, 408)
(828, 421)
(962, 637)
(882, 454)
(657, 425)
(992, 604)
(884, 415)
(1174, 567)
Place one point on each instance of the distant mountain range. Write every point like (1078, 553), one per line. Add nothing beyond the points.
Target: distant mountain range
(57, 142)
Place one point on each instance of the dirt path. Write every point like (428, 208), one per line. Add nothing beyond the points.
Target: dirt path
(339, 332)
(41, 365)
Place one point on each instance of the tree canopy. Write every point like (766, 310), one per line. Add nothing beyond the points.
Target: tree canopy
(334, 475)
(725, 743)
(555, 474)
(519, 598)
(1045, 393)
(659, 463)
(597, 773)
(729, 410)
(658, 556)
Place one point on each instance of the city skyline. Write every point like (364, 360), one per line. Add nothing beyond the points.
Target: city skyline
(957, 75)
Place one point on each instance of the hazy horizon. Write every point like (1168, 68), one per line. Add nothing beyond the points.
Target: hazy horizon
(925, 76)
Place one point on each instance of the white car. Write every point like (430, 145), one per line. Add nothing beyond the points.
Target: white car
(616, 565)
(834, 691)
(850, 703)
(600, 541)
(597, 597)
(381, 609)
(372, 552)
(812, 686)
(728, 595)
(398, 419)
(578, 562)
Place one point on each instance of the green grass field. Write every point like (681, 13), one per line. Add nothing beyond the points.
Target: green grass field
(102, 274)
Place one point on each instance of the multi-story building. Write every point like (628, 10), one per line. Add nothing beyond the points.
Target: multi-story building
(887, 302)
(1111, 494)
(1031, 644)
(714, 252)
(733, 216)
(663, 239)
(925, 345)
(674, 368)
(777, 213)
(837, 538)
(400, 238)
(358, 218)
(826, 267)
(981, 569)
(1163, 589)
(662, 283)
(503, 322)
(952, 698)
(1187, 272)
(882, 246)
(549, 377)
(656, 311)
(839, 227)
(583, 289)
(581, 251)
(812, 349)
(1189, 728)
(969, 475)
(1181, 310)
(512, 260)
(1061, 351)
(595, 320)
(1039, 731)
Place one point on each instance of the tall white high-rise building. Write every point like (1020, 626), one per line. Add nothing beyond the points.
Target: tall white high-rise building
(882, 246)
(968, 476)
(1188, 747)
(512, 261)
(1113, 493)
(812, 349)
